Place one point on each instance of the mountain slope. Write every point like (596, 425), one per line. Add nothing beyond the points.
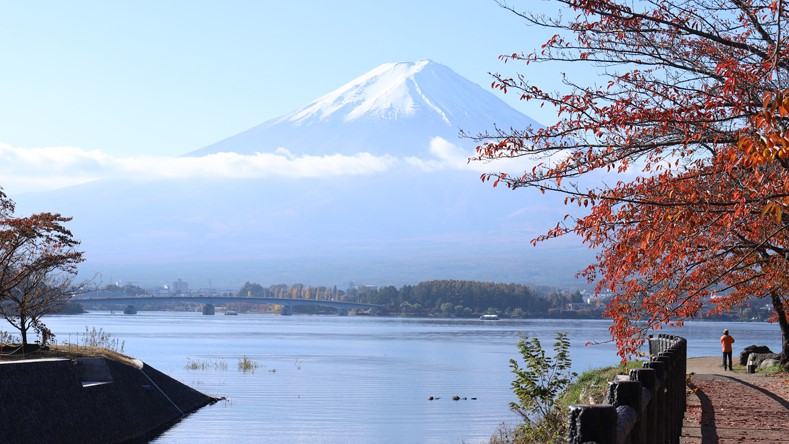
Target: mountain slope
(397, 228)
(395, 108)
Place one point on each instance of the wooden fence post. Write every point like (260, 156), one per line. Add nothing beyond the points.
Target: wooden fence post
(592, 423)
(628, 394)
(648, 408)
(667, 358)
(660, 399)
(648, 379)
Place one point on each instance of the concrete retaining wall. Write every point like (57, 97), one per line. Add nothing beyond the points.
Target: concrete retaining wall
(90, 400)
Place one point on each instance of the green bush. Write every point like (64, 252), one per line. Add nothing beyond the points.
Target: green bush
(546, 387)
(538, 385)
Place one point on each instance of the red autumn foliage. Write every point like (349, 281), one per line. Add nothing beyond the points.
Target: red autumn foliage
(677, 146)
(38, 257)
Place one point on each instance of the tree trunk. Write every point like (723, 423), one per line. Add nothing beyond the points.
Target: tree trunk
(23, 331)
(782, 322)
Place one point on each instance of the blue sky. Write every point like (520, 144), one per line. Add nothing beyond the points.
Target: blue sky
(162, 78)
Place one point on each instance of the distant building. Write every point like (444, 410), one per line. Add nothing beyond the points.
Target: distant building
(366, 288)
(180, 287)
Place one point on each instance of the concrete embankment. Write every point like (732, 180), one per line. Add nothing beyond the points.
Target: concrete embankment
(89, 400)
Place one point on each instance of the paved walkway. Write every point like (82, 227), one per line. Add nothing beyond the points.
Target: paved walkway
(734, 407)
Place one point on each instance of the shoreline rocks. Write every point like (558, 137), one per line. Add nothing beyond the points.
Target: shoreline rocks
(746, 352)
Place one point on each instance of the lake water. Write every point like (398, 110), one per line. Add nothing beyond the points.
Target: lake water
(331, 379)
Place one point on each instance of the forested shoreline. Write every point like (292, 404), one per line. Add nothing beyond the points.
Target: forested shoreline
(445, 298)
(466, 299)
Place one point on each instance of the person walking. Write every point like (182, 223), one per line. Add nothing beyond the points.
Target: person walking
(726, 342)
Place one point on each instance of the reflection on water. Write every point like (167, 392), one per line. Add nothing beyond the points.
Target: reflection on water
(356, 379)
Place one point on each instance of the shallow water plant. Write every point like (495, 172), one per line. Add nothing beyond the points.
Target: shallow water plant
(216, 364)
(247, 365)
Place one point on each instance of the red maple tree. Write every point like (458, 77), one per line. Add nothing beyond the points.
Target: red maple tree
(678, 147)
(38, 258)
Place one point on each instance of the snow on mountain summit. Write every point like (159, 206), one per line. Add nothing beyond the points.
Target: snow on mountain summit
(390, 91)
(396, 108)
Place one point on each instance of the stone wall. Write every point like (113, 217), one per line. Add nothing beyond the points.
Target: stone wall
(89, 400)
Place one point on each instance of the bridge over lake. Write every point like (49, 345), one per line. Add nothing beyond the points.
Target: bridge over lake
(342, 307)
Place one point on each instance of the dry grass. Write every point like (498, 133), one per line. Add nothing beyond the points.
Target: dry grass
(66, 351)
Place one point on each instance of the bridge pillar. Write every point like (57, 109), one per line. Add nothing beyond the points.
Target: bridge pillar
(287, 310)
(342, 312)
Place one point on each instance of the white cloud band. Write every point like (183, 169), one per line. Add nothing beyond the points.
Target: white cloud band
(41, 169)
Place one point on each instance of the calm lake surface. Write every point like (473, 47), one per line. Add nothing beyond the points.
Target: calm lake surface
(327, 379)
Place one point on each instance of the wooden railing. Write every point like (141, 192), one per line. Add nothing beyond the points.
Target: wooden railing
(647, 406)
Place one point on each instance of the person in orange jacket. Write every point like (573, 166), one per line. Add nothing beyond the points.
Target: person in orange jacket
(726, 342)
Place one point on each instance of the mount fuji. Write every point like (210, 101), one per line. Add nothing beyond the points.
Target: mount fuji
(396, 108)
(420, 213)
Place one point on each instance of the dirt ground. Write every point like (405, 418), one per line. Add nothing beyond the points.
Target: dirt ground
(734, 406)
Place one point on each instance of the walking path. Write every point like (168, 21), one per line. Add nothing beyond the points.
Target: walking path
(734, 407)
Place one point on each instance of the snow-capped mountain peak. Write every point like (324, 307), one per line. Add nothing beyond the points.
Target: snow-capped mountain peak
(390, 91)
(396, 109)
